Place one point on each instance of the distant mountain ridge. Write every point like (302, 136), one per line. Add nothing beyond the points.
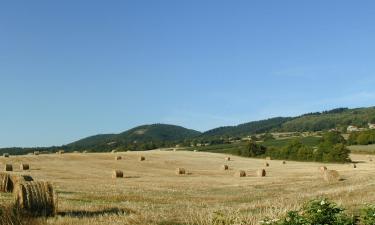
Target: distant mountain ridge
(164, 135)
(154, 134)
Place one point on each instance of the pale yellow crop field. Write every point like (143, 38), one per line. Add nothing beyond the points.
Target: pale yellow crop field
(151, 192)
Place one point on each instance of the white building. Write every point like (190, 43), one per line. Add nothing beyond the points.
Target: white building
(352, 128)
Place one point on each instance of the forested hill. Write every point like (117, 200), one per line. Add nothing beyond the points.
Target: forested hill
(138, 138)
(162, 135)
(339, 118)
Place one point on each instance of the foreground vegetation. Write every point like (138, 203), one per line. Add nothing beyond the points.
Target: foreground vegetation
(323, 211)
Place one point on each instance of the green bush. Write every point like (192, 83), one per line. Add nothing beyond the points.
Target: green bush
(315, 212)
(367, 216)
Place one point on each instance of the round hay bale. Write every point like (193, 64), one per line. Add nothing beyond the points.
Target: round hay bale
(261, 173)
(118, 157)
(266, 164)
(142, 158)
(117, 174)
(224, 167)
(6, 155)
(8, 167)
(61, 152)
(240, 173)
(36, 198)
(24, 166)
(283, 162)
(180, 171)
(5, 183)
(8, 182)
(331, 175)
(268, 158)
(322, 169)
(227, 158)
(36, 153)
(354, 165)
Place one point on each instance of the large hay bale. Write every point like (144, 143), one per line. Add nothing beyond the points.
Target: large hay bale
(266, 164)
(240, 173)
(283, 162)
(331, 175)
(36, 152)
(61, 152)
(261, 173)
(227, 158)
(8, 167)
(117, 174)
(180, 171)
(268, 158)
(322, 169)
(224, 167)
(36, 198)
(118, 157)
(6, 155)
(24, 166)
(354, 165)
(142, 158)
(7, 181)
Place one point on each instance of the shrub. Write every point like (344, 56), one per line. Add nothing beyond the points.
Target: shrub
(367, 215)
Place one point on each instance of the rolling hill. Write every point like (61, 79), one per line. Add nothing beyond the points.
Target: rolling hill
(146, 136)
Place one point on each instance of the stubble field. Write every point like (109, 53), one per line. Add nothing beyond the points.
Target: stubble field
(152, 193)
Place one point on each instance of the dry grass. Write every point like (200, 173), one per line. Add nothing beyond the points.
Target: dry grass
(88, 196)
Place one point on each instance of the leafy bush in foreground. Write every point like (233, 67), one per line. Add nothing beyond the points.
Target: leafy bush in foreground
(324, 212)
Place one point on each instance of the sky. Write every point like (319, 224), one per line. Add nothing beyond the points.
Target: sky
(75, 68)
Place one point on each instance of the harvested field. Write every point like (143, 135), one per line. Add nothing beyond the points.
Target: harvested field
(150, 192)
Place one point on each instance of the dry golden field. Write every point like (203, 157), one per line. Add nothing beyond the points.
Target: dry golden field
(152, 193)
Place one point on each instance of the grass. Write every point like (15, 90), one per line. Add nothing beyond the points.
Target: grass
(153, 194)
(363, 149)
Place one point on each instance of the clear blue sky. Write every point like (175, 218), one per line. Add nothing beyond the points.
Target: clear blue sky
(74, 68)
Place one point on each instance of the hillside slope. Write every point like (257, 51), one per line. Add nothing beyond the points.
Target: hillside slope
(153, 135)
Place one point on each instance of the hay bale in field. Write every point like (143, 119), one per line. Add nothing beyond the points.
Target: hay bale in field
(180, 171)
(117, 174)
(36, 198)
(113, 151)
(24, 166)
(266, 164)
(7, 181)
(331, 175)
(36, 153)
(142, 158)
(268, 158)
(224, 167)
(195, 150)
(261, 173)
(8, 167)
(61, 152)
(240, 173)
(322, 169)
(354, 165)
(6, 155)
(118, 157)
(227, 158)
(283, 162)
